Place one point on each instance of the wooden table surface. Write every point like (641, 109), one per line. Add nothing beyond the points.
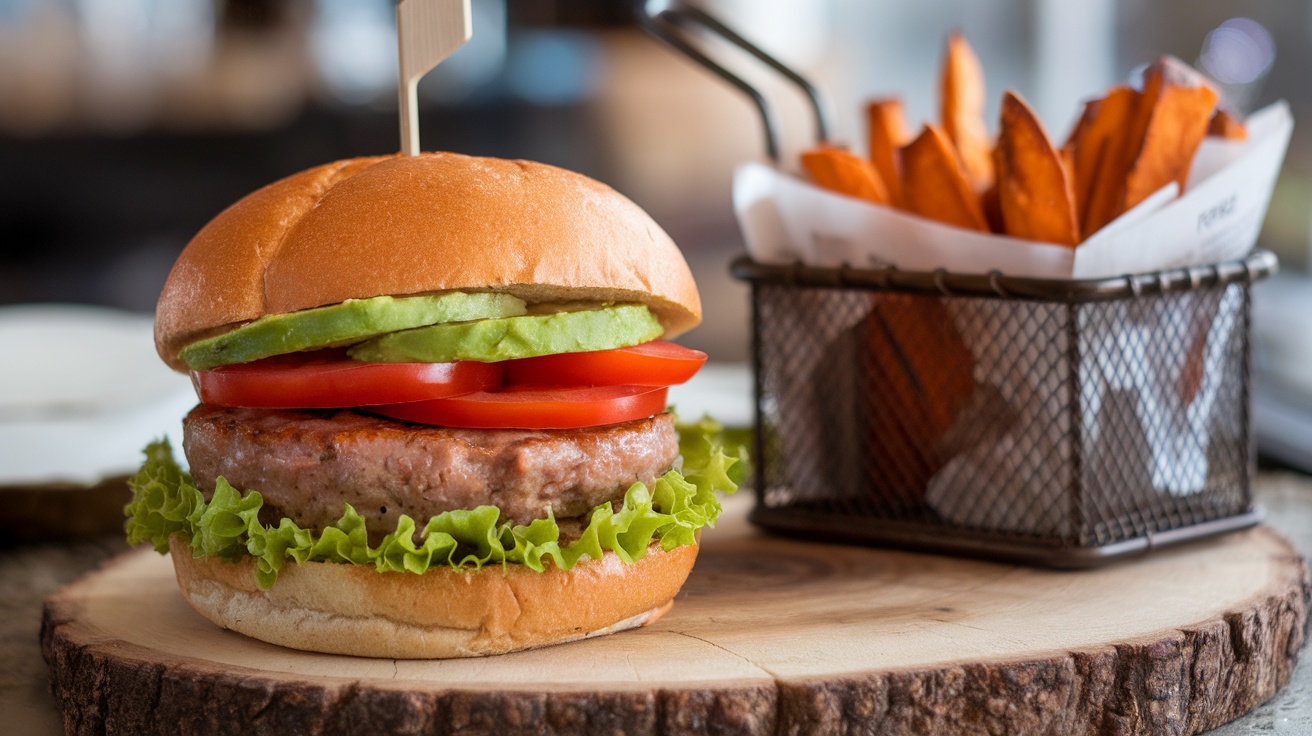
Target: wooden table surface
(28, 573)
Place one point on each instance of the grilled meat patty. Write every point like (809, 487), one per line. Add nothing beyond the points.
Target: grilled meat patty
(307, 464)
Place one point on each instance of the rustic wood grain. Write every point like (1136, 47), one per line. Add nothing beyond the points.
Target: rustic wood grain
(770, 636)
(62, 511)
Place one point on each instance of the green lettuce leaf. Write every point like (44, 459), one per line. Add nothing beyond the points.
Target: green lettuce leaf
(166, 502)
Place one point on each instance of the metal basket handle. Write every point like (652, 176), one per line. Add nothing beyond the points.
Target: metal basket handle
(675, 24)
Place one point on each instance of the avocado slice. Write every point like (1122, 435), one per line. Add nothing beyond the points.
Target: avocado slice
(349, 322)
(491, 340)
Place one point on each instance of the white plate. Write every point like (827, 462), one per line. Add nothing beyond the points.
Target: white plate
(81, 393)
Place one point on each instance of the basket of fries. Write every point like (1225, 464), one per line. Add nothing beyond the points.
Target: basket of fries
(1003, 348)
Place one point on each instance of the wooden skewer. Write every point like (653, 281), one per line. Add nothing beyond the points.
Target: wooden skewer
(427, 31)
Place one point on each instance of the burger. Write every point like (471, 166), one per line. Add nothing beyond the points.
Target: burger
(432, 416)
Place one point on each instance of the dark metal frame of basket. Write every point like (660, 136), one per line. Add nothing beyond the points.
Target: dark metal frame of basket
(803, 436)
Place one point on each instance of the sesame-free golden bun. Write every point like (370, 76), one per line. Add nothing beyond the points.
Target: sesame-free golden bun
(354, 609)
(408, 225)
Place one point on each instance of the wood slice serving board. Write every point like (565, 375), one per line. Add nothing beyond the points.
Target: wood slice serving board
(769, 636)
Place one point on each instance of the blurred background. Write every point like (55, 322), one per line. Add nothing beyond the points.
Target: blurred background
(126, 124)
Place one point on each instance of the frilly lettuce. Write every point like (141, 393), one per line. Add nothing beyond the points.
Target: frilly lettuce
(166, 502)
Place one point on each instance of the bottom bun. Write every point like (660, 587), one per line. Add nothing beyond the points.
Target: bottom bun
(353, 609)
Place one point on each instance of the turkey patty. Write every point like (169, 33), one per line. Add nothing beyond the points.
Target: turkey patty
(308, 464)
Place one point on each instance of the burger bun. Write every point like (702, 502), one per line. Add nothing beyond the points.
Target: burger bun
(410, 225)
(443, 613)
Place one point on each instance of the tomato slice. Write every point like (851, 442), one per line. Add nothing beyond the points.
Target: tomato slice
(325, 379)
(655, 363)
(534, 408)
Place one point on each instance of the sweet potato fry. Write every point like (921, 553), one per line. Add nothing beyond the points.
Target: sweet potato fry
(1176, 124)
(846, 173)
(1225, 125)
(992, 206)
(1099, 136)
(1033, 189)
(888, 132)
(1169, 121)
(1066, 157)
(935, 185)
(919, 378)
(962, 105)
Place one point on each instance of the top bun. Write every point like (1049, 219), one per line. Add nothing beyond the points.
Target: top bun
(407, 225)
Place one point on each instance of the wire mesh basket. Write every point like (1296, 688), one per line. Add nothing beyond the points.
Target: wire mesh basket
(1059, 423)
(1055, 422)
